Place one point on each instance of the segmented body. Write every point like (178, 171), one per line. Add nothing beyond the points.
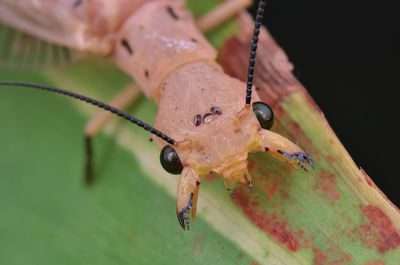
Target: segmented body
(158, 44)
(174, 64)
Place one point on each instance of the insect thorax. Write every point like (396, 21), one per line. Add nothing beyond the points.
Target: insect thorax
(199, 89)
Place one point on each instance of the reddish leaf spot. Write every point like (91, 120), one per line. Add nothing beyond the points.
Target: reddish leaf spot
(368, 180)
(271, 224)
(326, 185)
(380, 232)
(305, 241)
(375, 262)
(251, 165)
(330, 159)
(211, 177)
(331, 256)
(266, 207)
(319, 258)
(293, 131)
(272, 190)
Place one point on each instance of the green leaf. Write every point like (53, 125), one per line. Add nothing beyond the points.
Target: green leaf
(127, 216)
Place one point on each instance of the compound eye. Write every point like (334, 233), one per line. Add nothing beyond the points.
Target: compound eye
(264, 114)
(170, 160)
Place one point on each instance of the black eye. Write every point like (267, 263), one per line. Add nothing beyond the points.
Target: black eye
(170, 160)
(264, 114)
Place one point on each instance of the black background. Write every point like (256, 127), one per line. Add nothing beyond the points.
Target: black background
(346, 54)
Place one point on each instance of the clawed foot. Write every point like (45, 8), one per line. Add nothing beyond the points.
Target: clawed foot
(183, 215)
(300, 158)
(283, 149)
(229, 191)
(188, 191)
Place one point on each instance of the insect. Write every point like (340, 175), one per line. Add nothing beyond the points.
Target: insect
(205, 122)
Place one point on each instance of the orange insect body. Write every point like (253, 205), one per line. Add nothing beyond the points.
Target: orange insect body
(161, 37)
(202, 108)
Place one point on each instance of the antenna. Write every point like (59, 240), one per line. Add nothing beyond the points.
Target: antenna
(252, 60)
(97, 103)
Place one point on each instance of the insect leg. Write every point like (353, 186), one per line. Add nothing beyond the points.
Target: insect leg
(250, 180)
(283, 149)
(188, 192)
(124, 98)
(222, 13)
(228, 189)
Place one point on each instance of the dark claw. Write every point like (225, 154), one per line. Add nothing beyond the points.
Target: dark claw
(183, 219)
(250, 185)
(301, 157)
(288, 156)
(190, 206)
(303, 167)
(309, 161)
(183, 216)
(230, 193)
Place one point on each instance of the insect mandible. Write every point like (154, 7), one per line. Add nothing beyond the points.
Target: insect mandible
(205, 122)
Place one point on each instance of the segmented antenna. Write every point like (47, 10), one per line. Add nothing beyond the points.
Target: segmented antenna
(258, 23)
(97, 103)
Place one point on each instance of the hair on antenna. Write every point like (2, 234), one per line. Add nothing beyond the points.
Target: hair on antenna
(97, 103)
